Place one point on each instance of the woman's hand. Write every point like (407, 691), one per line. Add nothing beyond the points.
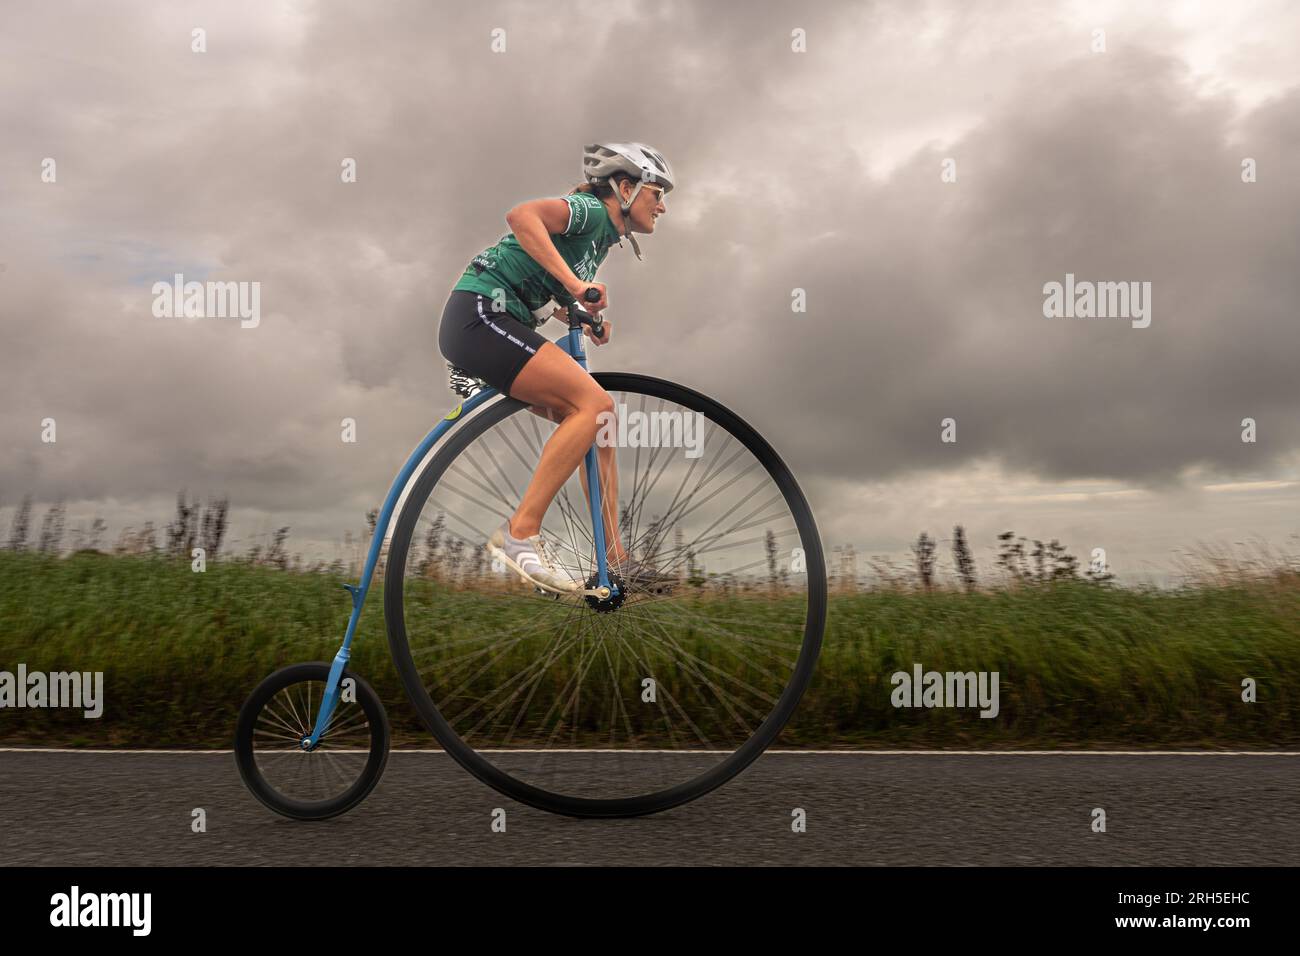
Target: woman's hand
(579, 289)
(605, 330)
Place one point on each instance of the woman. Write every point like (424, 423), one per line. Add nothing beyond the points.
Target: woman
(489, 332)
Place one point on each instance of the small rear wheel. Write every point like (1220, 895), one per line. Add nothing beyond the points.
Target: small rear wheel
(336, 774)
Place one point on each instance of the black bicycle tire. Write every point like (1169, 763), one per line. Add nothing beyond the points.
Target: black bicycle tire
(476, 764)
(380, 738)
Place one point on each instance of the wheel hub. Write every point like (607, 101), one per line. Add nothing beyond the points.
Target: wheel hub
(616, 597)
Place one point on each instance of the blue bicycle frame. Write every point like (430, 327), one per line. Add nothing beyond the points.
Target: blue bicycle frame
(572, 343)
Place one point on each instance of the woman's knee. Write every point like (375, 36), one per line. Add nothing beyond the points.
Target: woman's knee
(594, 408)
(591, 403)
(598, 403)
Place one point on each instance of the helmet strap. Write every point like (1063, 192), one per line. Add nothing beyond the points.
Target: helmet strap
(625, 208)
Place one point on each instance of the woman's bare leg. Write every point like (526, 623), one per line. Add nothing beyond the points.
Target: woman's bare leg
(607, 463)
(553, 380)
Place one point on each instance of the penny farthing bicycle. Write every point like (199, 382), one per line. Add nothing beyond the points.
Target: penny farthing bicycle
(657, 681)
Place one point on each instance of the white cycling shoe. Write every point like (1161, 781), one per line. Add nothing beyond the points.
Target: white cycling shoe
(527, 558)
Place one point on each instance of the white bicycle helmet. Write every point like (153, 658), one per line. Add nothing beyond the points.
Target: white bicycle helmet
(600, 161)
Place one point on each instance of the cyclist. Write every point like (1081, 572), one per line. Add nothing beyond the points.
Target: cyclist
(488, 332)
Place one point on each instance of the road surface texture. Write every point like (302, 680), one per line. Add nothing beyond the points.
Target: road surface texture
(135, 809)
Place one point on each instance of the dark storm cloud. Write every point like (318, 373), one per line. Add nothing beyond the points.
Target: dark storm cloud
(818, 170)
(925, 299)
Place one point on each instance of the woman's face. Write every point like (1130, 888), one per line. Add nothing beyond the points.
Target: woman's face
(648, 206)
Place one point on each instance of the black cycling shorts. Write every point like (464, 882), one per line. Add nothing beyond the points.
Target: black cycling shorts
(492, 346)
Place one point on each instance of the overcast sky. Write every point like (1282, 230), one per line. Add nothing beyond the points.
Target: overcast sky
(818, 170)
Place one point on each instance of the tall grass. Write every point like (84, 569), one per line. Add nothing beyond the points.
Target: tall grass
(1079, 665)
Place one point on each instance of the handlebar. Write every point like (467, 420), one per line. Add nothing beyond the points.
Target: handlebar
(584, 317)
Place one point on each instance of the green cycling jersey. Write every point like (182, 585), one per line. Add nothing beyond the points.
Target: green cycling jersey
(516, 283)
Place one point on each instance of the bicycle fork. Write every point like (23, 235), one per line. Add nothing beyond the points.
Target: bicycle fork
(574, 345)
(333, 684)
(597, 520)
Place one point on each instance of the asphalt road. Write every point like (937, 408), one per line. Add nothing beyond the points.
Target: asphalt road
(133, 809)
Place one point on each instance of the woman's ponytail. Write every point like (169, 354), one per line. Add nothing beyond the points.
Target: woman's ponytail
(602, 189)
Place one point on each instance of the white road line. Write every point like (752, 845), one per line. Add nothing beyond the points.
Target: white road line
(688, 753)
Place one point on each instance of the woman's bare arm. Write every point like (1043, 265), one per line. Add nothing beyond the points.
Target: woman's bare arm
(533, 223)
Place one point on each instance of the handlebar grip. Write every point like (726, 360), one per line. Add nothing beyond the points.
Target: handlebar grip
(597, 321)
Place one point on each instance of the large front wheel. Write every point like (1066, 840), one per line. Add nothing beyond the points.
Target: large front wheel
(642, 701)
